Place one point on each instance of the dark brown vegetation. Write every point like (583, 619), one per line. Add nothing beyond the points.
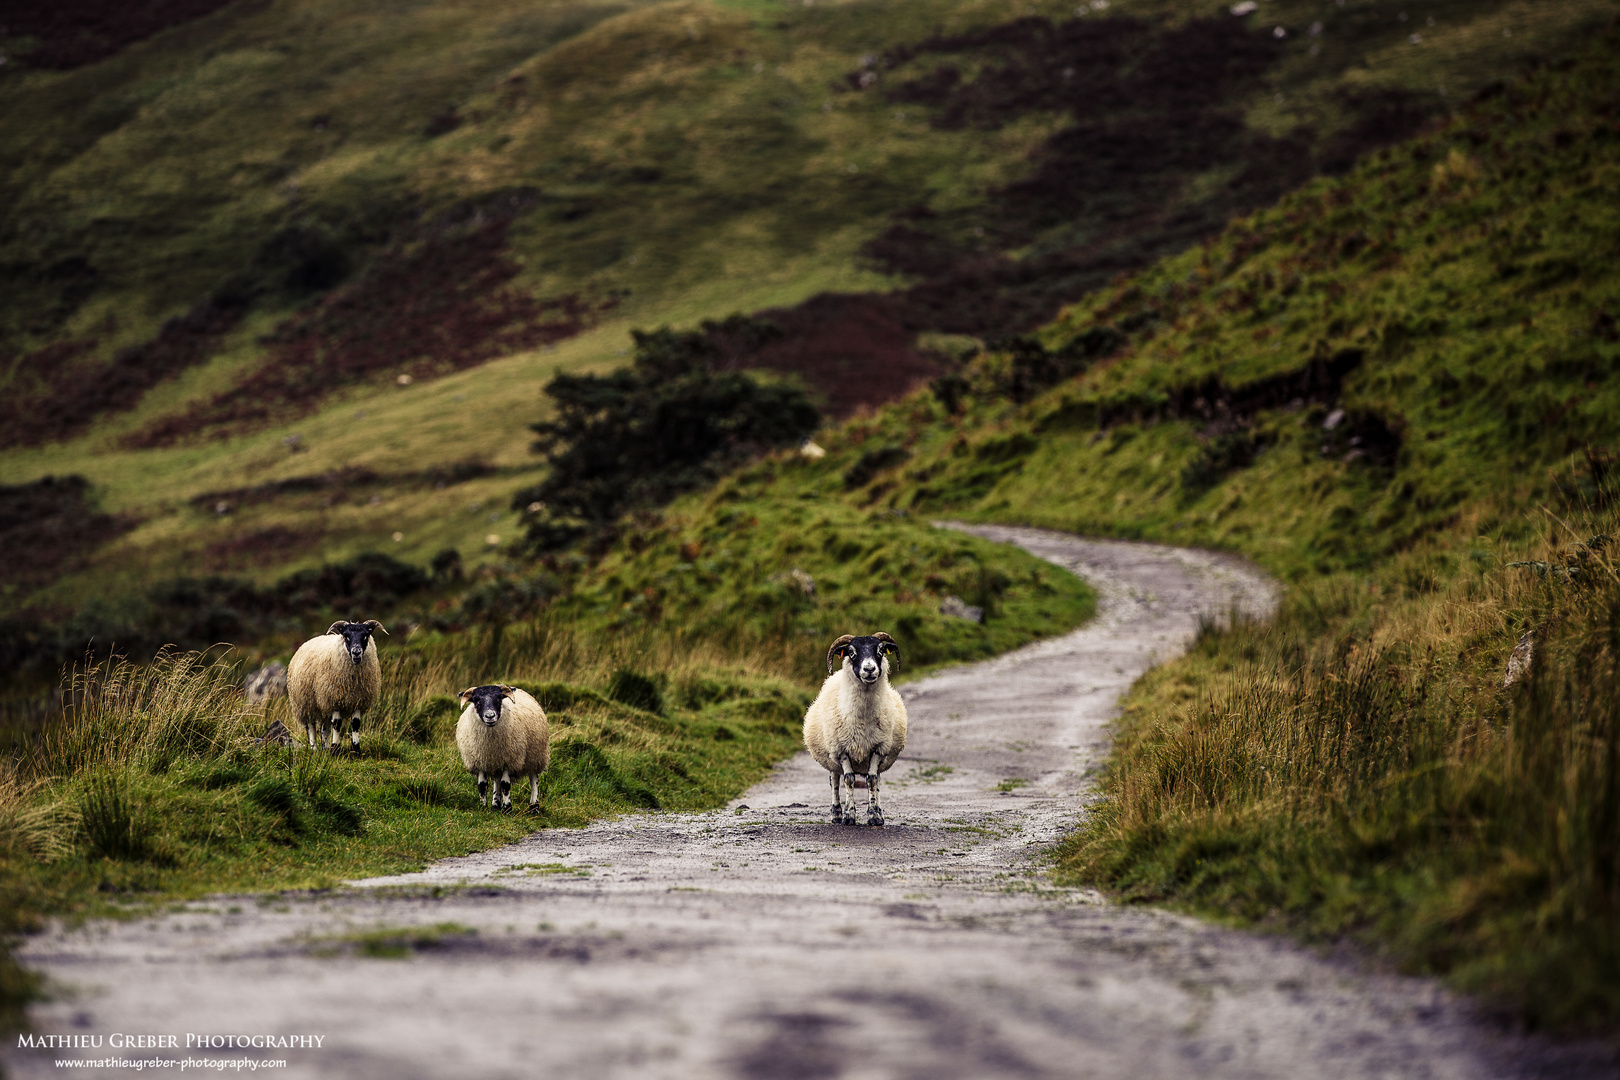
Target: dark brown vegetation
(53, 395)
(72, 33)
(48, 526)
(850, 350)
(261, 547)
(198, 613)
(443, 304)
(1152, 110)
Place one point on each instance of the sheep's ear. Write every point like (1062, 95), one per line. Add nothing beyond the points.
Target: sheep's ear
(335, 627)
(837, 649)
(375, 626)
(886, 644)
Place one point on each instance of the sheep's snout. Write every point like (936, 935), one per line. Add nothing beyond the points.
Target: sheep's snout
(490, 717)
(869, 671)
(357, 655)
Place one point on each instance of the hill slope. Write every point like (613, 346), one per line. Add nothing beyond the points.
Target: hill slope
(227, 238)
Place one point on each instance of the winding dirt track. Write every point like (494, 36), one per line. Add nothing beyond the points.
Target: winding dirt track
(762, 942)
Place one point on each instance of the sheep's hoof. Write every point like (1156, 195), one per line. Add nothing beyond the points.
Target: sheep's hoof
(875, 818)
(534, 809)
(838, 816)
(849, 819)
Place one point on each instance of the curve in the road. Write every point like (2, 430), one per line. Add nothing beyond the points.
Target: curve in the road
(762, 942)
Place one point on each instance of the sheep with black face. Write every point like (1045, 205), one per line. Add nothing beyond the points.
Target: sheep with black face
(857, 724)
(503, 732)
(333, 676)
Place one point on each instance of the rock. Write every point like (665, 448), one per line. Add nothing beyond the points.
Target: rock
(805, 583)
(1334, 419)
(268, 682)
(957, 608)
(275, 735)
(812, 451)
(1518, 665)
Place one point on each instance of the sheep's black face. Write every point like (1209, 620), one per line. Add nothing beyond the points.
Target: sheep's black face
(356, 636)
(867, 657)
(487, 702)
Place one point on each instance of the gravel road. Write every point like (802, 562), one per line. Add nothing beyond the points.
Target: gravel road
(762, 942)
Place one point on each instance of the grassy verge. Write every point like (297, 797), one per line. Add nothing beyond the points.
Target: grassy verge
(1358, 768)
(780, 556)
(152, 785)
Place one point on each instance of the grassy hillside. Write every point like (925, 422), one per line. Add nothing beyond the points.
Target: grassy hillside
(227, 239)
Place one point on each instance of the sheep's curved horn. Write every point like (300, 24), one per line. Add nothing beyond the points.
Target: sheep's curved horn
(833, 650)
(375, 625)
(507, 690)
(467, 693)
(335, 627)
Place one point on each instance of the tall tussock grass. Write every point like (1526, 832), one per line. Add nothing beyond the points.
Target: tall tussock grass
(154, 778)
(1359, 767)
(119, 715)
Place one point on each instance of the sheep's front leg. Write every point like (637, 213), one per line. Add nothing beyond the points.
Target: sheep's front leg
(849, 790)
(874, 809)
(506, 791)
(312, 727)
(354, 735)
(483, 789)
(534, 790)
(337, 728)
(838, 805)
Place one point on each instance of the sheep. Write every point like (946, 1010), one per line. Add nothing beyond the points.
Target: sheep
(857, 723)
(333, 675)
(503, 730)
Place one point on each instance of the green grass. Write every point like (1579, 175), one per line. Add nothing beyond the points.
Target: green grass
(390, 943)
(778, 558)
(1357, 769)
(176, 800)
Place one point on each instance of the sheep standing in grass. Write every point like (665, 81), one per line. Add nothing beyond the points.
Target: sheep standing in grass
(333, 676)
(503, 731)
(857, 724)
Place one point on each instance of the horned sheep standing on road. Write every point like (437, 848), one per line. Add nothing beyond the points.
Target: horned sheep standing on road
(857, 723)
(503, 731)
(334, 675)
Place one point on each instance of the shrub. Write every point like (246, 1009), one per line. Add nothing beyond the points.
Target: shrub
(638, 437)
